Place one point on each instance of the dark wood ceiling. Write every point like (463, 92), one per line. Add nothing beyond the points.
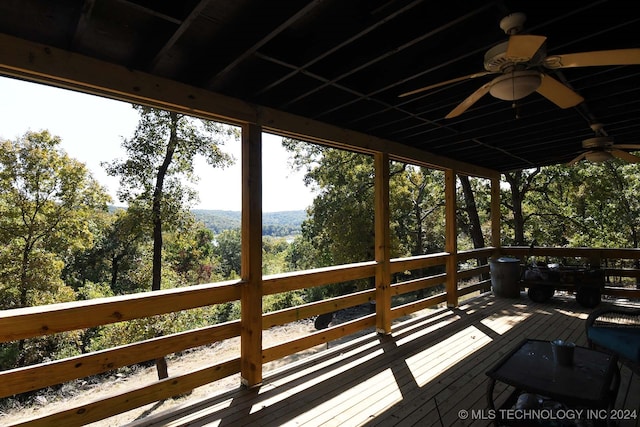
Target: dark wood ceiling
(344, 62)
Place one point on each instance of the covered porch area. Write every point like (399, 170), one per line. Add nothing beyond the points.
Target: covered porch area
(420, 363)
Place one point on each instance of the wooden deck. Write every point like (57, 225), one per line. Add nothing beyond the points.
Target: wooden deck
(428, 370)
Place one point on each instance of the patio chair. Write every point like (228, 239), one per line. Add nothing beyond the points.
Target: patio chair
(616, 330)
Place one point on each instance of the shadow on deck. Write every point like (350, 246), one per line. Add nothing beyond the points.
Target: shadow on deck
(427, 372)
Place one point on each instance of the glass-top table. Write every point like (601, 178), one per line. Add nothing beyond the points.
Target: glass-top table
(591, 381)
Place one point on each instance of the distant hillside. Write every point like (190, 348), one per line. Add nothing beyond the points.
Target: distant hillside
(277, 224)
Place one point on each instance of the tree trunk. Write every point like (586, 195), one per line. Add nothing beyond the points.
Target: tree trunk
(157, 204)
(475, 229)
(161, 363)
(419, 247)
(115, 265)
(472, 212)
(515, 180)
(24, 268)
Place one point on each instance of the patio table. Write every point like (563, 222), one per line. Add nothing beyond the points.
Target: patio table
(591, 382)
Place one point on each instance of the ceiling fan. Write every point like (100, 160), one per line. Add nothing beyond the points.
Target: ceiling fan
(601, 148)
(521, 62)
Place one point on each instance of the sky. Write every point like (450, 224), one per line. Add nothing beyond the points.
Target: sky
(92, 128)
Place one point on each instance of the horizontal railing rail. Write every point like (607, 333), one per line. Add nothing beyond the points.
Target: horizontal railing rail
(419, 261)
(586, 253)
(43, 375)
(284, 282)
(420, 283)
(306, 311)
(29, 322)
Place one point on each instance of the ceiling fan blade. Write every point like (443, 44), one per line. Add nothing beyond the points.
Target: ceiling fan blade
(471, 99)
(628, 157)
(558, 93)
(522, 48)
(577, 159)
(595, 58)
(635, 147)
(446, 82)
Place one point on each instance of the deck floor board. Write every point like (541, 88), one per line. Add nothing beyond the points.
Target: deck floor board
(424, 373)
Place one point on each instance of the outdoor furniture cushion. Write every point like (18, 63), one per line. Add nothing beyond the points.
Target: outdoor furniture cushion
(625, 341)
(616, 330)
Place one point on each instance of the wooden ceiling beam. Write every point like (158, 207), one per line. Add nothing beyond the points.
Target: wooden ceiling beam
(56, 67)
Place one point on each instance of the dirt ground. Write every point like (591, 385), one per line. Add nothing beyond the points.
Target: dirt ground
(84, 392)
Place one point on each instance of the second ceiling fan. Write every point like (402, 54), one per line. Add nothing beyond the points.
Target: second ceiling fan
(521, 62)
(602, 147)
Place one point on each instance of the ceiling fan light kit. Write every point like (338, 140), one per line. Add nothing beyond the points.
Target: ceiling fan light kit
(597, 156)
(516, 85)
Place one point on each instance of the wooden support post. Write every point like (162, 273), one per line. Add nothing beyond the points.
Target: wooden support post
(251, 271)
(495, 212)
(451, 237)
(382, 239)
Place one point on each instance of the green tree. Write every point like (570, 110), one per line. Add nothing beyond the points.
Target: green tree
(340, 220)
(470, 218)
(339, 225)
(625, 183)
(160, 159)
(300, 254)
(48, 202)
(470, 222)
(587, 204)
(119, 245)
(122, 247)
(417, 209)
(227, 250)
(520, 183)
(554, 206)
(274, 252)
(190, 252)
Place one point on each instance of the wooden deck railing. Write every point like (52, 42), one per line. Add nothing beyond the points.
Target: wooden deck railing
(39, 321)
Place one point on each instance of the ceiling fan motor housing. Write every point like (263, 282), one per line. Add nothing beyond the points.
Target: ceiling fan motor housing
(497, 61)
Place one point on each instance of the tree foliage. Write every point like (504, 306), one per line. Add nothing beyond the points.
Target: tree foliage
(119, 244)
(48, 202)
(190, 253)
(227, 249)
(586, 204)
(417, 210)
(159, 159)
